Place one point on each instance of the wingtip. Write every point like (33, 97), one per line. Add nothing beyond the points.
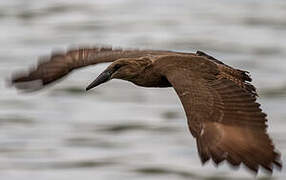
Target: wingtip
(27, 86)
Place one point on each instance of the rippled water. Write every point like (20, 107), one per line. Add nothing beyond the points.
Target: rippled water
(120, 131)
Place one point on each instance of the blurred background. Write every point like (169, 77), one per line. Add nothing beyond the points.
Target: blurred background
(120, 131)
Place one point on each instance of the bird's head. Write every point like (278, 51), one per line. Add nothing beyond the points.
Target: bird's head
(125, 69)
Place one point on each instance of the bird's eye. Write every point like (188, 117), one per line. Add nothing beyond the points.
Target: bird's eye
(117, 66)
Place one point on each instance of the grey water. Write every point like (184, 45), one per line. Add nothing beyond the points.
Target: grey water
(118, 130)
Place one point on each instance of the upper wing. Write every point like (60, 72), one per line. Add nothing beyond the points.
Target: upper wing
(238, 76)
(223, 116)
(58, 65)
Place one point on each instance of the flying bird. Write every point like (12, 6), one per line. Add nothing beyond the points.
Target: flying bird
(219, 101)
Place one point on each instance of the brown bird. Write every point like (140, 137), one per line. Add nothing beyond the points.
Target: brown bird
(219, 101)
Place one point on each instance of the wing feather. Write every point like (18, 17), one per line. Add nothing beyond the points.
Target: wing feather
(240, 77)
(50, 69)
(224, 117)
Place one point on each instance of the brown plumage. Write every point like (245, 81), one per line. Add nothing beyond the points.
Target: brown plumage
(50, 69)
(219, 101)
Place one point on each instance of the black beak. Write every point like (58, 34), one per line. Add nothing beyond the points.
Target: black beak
(102, 78)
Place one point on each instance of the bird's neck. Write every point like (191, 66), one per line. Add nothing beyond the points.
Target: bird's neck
(151, 78)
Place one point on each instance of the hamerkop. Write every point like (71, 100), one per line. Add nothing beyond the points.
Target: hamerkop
(219, 101)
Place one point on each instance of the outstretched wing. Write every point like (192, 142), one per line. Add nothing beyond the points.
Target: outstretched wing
(223, 116)
(58, 65)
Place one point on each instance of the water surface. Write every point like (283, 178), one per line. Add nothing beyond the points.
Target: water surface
(120, 131)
